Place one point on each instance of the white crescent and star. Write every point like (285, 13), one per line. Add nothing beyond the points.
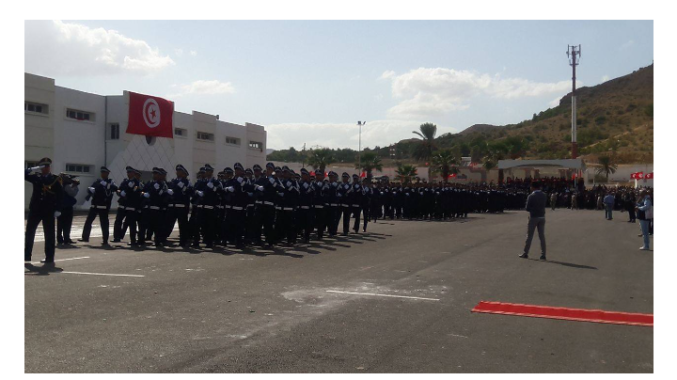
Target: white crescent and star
(151, 113)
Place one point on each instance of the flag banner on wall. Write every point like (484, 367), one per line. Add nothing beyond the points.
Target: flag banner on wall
(648, 176)
(638, 175)
(150, 116)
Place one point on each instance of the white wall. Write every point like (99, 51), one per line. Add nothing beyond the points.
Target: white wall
(68, 141)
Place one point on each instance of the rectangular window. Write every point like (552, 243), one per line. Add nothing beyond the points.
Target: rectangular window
(79, 115)
(180, 132)
(114, 132)
(256, 145)
(204, 136)
(36, 107)
(78, 168)
(232, 140)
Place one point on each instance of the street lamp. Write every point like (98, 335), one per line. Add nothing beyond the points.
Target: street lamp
(359, 147)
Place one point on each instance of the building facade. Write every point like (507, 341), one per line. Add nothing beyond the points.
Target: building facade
(81, 132)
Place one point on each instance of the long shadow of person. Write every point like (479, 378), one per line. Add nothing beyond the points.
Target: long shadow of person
(571, 265)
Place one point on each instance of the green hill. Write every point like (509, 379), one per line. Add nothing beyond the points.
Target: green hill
(615, 116)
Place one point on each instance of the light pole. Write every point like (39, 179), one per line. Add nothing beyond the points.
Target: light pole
(359, 147)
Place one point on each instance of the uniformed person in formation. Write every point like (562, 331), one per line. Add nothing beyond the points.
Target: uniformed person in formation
(101, 194)
(179, 205)
(44, 207)
(123, 201)
(344, 193)
(304, 215)
(155, 194)
(323, 216)
(65, 221)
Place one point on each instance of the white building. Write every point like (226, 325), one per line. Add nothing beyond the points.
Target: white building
(81, 132)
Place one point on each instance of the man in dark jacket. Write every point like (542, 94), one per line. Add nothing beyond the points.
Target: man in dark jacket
(65, 221)
(536, 207)
(45, 206)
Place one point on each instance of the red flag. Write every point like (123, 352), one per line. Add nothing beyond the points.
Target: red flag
(640, 175)
(633, 175)
(453, 175)
(150, 116)
(649, 176)
(363, 174)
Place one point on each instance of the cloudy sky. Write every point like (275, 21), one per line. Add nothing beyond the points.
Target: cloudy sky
(310, 82)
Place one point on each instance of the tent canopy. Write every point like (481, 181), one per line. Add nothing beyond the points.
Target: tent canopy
(575, 163)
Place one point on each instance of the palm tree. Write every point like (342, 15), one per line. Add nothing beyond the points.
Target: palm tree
(607, 166)
(320, 159)
(370, 162)
(445, 162)
(424, 150)
(406, 172)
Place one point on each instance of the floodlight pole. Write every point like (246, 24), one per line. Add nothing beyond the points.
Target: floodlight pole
(574, 54)
(359, 147)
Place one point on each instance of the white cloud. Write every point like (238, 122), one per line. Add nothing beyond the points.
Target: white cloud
(204, 87)
(627, 45)
(60, 48)
(387, 74)
(605, 78)
(193, 53)
(343, 135)
(434, 92)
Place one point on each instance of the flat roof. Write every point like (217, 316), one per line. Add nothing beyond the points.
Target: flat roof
(572, 163)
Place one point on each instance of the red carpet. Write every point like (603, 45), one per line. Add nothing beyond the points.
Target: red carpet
(584, 315)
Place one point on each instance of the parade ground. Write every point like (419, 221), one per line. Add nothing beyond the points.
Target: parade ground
(395, 299)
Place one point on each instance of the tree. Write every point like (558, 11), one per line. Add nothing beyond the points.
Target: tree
(607, 166)
(406, 173)
(321, 158)
(444, 162)
(370, 162)
(426, 146)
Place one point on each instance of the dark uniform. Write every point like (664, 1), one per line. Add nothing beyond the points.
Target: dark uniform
(156, 199)
(101, 193)
(65, 221)
(305, 213)
(209, 191)
(288, 202)
(238, 188)
(265, 211)
(323, 215)
(344, 192)
(123, 201)
(44, 206)
(335, 207)
(179, 205)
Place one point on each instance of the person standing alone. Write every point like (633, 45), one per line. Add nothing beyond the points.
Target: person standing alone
(536, 207)
(609, 200)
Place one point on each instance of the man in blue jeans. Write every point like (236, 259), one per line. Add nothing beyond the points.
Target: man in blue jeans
(608, 206)
(536, 208)
(643, 208)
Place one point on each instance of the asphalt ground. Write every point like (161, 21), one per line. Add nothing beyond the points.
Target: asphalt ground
(329, 306)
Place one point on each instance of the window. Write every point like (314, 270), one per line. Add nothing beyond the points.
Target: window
(114, 131)
(180, 132)
(256, 145)
(232, 140)
(205, 136)
(79, 115)
(36, 107)
(78, 168)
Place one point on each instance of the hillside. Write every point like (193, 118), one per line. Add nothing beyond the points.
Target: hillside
(616, 115)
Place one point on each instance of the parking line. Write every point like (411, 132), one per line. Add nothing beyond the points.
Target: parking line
(68, 259)
(104, 274)
(383, 295)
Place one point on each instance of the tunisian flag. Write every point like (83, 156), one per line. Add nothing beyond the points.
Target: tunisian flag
(648, 176)
(638, 175)
(150, 116)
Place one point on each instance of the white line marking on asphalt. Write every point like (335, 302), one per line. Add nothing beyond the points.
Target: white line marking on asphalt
(105, 274)
(68, 259)
(459, 336)
(383, 295)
